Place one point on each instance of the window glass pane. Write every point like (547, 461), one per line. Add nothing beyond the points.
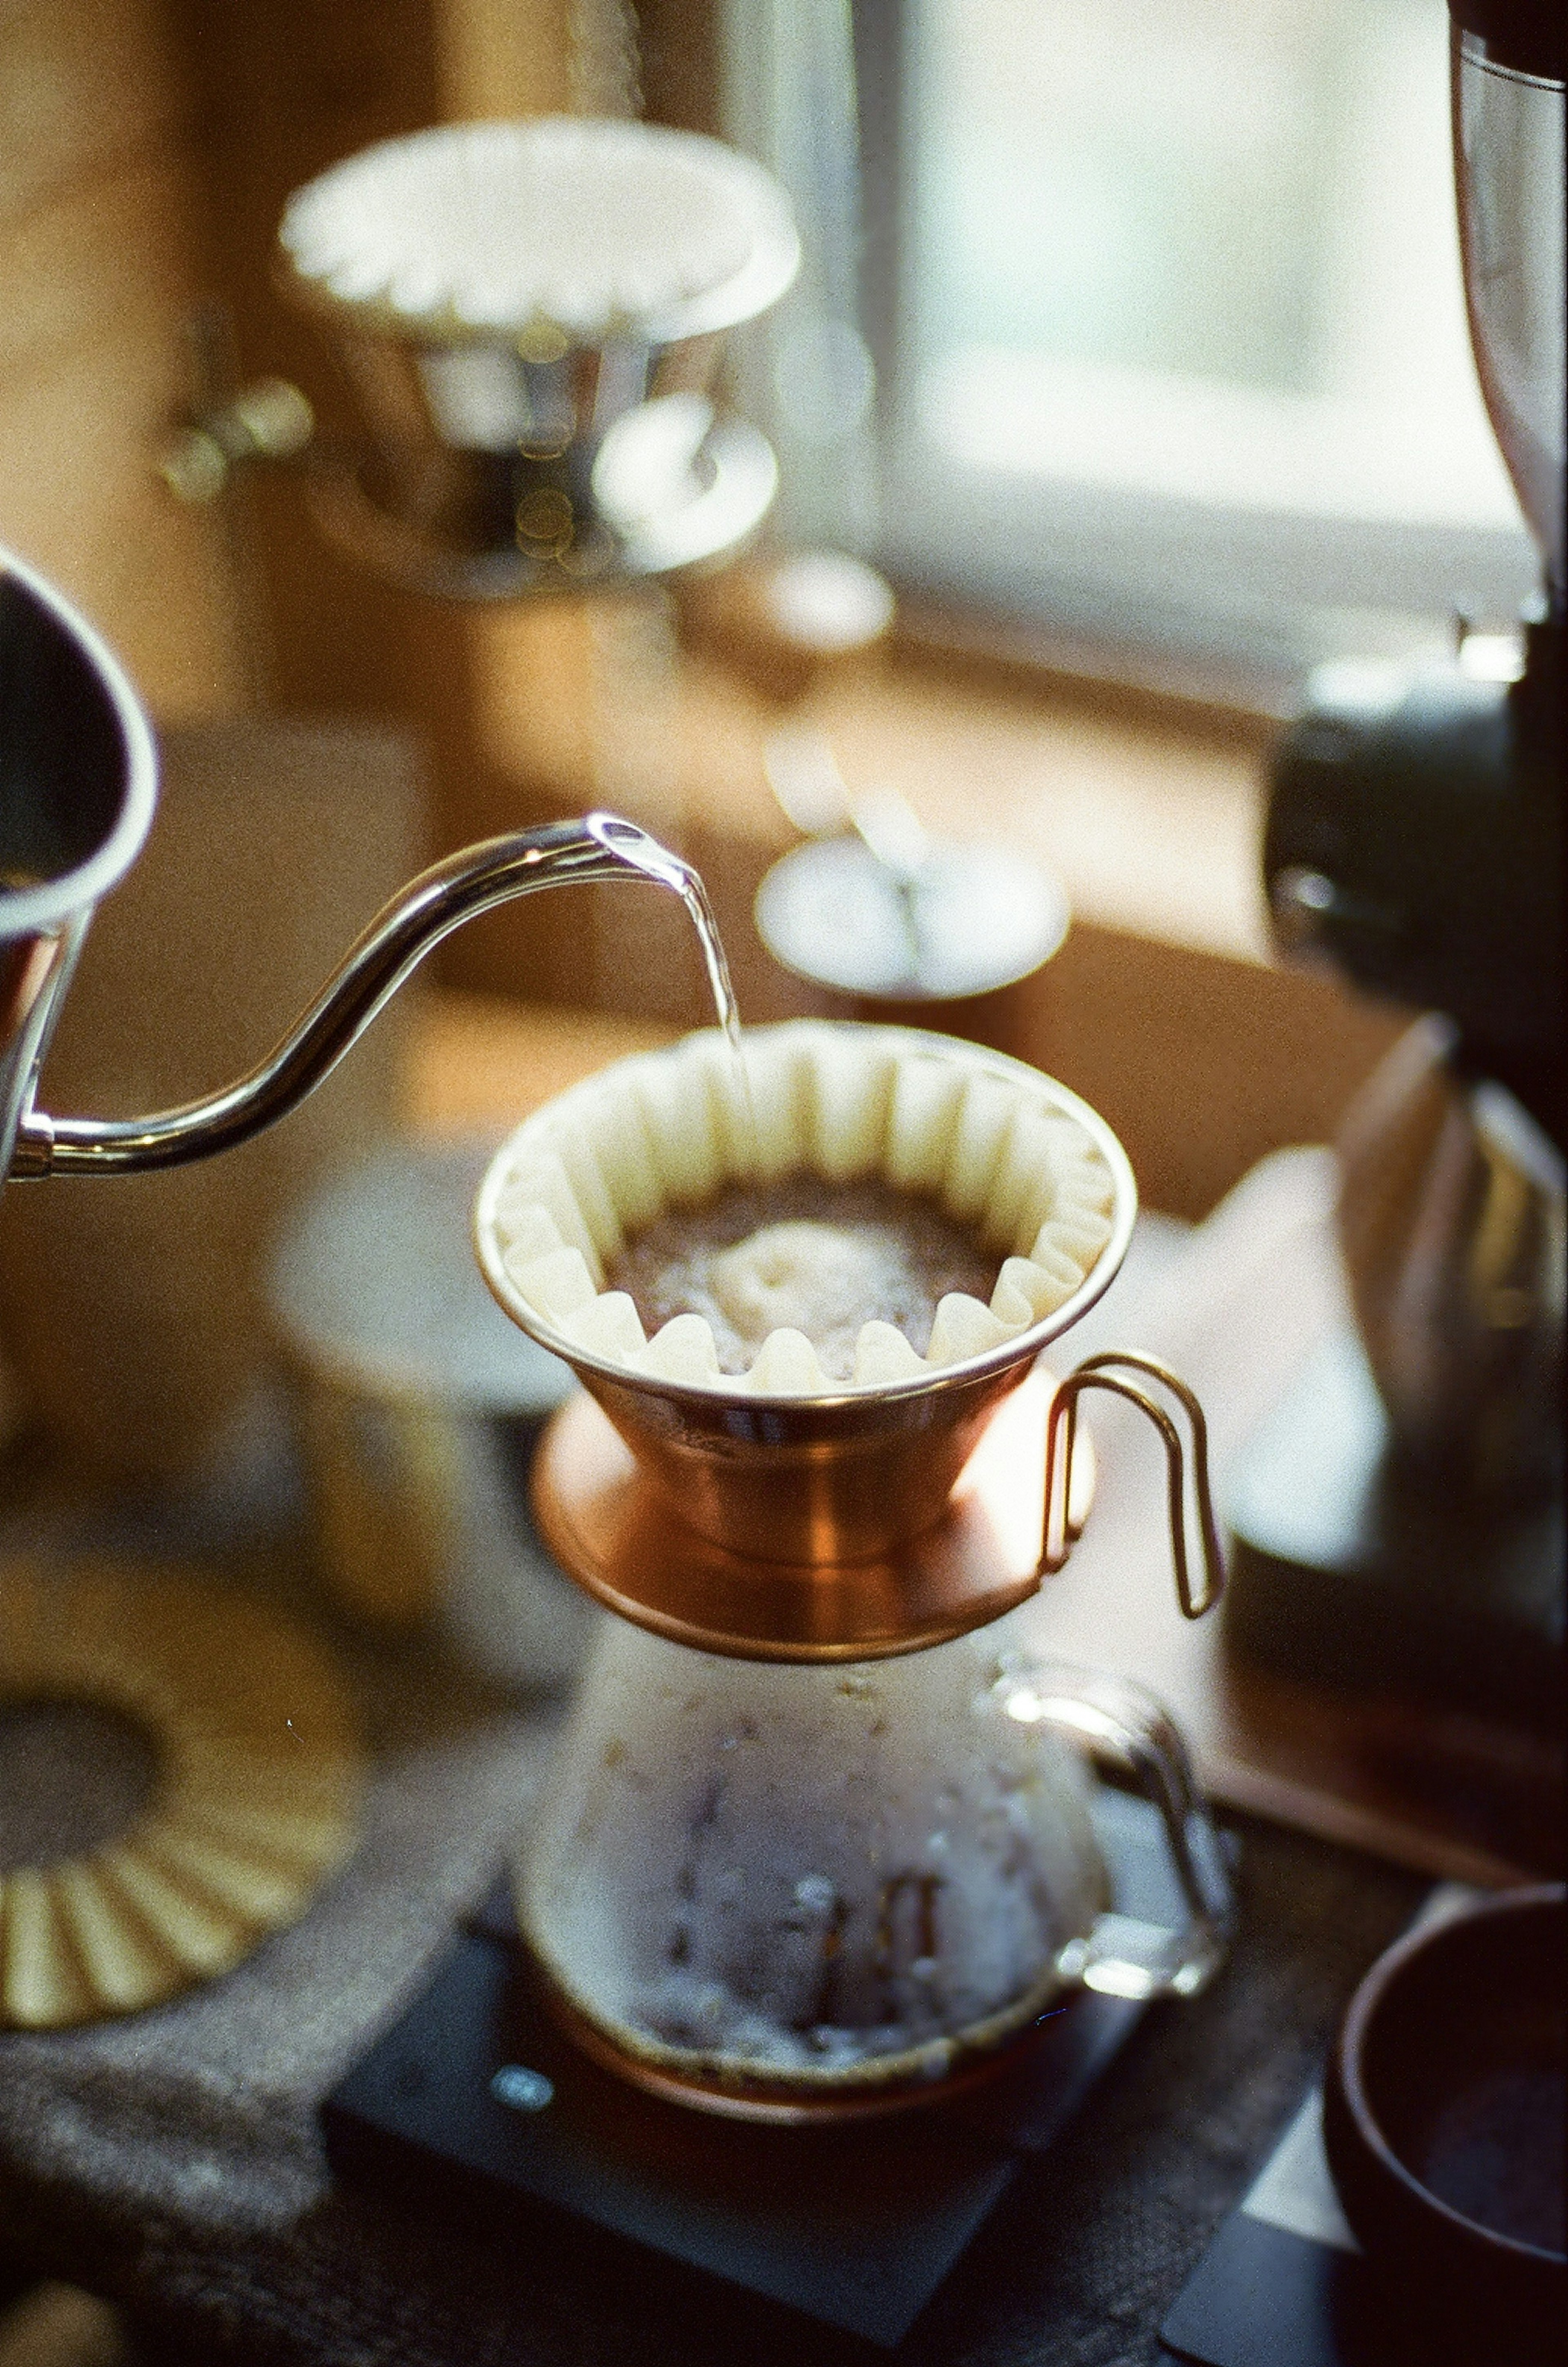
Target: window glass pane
(1145, 185)
(1238, 211)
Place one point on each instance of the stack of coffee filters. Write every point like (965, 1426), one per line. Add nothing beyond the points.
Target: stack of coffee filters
(593, 227)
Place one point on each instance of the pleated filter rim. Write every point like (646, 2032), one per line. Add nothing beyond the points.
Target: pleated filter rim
(586, 224)
(1006, 1151)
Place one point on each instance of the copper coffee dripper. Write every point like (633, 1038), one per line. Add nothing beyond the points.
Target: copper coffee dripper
(861, 1526)
(850, 1526)
(910, 1515)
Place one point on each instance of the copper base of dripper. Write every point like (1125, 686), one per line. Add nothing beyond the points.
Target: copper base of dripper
(614, 1532)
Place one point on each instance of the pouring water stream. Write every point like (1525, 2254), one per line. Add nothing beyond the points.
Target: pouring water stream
(632, 846)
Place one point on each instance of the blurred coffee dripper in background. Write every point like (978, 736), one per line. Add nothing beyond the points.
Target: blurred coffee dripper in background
(530, 316)
(881, 918)
(417, 1406)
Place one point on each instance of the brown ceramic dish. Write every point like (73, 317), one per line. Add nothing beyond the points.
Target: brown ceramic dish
(1444, 2122)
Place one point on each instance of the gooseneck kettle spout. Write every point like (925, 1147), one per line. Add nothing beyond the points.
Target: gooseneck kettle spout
(601, 846)
(78, 786)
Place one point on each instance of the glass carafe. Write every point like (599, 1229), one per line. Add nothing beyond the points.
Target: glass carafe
(777, 1887)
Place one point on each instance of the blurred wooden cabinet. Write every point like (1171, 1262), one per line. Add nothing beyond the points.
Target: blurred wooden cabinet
(100, 233)
(131, 1307)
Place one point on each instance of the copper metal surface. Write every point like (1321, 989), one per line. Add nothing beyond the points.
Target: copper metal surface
(840, 1479)
(615, 1530)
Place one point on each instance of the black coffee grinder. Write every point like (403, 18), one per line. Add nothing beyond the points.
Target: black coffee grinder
(1399, 1521)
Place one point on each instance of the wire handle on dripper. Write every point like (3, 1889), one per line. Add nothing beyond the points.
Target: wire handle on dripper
(1061, 1532)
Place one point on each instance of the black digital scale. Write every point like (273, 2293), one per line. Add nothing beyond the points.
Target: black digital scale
(476, 2096)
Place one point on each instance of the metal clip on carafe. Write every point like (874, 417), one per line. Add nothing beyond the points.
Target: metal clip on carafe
(1061, 1530)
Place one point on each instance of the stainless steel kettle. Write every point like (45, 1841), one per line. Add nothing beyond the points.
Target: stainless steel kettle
(78, 786)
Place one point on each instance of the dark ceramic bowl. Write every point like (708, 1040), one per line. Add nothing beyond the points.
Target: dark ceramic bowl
(1443, 2117)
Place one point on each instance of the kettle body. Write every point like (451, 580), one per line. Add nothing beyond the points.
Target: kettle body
(78, 780)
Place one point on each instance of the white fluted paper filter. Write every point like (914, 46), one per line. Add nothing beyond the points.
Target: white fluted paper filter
(582, 225)
(996, 1145)
(256, 1800)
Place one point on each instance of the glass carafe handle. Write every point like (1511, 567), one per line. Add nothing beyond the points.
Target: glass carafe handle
(1109, 1372)
(1126, 1729)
